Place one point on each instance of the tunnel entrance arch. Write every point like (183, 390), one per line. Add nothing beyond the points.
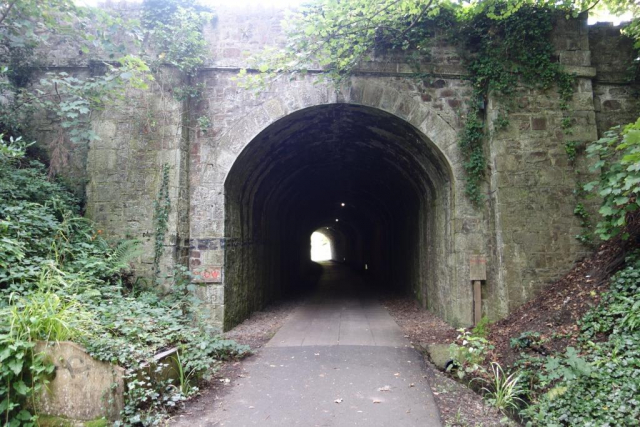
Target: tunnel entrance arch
(382, 181)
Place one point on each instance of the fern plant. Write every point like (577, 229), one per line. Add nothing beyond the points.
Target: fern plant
(123, 254)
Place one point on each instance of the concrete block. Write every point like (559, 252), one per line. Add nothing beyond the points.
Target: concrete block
(83, 388)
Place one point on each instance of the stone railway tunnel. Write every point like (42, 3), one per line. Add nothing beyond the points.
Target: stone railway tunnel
(247, 191)
(294, 178)
(286, 168)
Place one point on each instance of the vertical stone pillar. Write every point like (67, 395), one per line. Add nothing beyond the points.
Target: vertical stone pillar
(137, 137)
(531, 177)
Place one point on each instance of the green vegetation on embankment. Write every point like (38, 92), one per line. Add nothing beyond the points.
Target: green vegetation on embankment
(60, 280)
(544, 368)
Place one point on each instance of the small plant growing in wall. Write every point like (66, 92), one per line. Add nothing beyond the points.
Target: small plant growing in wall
(617, 164)
(571, 148)
(161, 209)
(204, 123)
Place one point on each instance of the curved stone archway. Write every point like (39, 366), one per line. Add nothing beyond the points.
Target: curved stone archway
(295, 175)
(230, 195)
(361, 92)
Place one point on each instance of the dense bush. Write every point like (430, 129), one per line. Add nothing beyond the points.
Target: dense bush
(601, 385)
(617, 162)
(59, 280)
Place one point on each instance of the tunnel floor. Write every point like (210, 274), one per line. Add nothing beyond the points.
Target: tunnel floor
(339, 360)
(342, 311)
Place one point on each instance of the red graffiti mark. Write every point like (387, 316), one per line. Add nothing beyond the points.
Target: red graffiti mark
(213, 274)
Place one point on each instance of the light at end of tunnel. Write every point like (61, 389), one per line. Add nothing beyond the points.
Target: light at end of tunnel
(342, 204)
(321, 247)
(337, 220)
(366, 267)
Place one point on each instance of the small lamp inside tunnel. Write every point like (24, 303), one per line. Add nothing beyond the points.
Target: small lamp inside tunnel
(342, 204)
(321, 248)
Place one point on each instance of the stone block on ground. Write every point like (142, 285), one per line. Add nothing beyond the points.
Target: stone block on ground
(82, 388)
(439, 355)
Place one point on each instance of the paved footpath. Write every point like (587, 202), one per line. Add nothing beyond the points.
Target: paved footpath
(339, 360)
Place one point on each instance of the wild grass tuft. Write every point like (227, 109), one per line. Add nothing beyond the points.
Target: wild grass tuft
(504, 391)
(47, 316)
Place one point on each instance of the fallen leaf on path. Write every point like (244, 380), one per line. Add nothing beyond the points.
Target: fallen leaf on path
(412, 385)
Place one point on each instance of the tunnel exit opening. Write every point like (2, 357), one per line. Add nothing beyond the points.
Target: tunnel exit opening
(377, 188)
(321, 247)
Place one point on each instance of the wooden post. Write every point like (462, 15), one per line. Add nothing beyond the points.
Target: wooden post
(477, 273)
(477, 302)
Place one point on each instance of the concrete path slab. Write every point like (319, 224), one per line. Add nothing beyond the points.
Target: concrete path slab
(339, 360)
(337, 386)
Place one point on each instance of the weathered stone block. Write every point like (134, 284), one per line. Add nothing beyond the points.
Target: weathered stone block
(538, 123)
(439, 355)
(82, 388)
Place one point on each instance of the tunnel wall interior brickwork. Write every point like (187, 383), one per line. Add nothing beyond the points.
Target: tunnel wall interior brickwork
(247, 191)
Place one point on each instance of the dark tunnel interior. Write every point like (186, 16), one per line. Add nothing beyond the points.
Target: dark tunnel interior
(372, 181)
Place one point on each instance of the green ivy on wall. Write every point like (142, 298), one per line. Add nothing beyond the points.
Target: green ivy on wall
(161, 210)
(505, 45)
(502, 55)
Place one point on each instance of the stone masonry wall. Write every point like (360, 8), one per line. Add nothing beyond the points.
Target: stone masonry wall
(616, 92)
(525, 229)
(238, 116)
(532, 179)
(137, 137)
